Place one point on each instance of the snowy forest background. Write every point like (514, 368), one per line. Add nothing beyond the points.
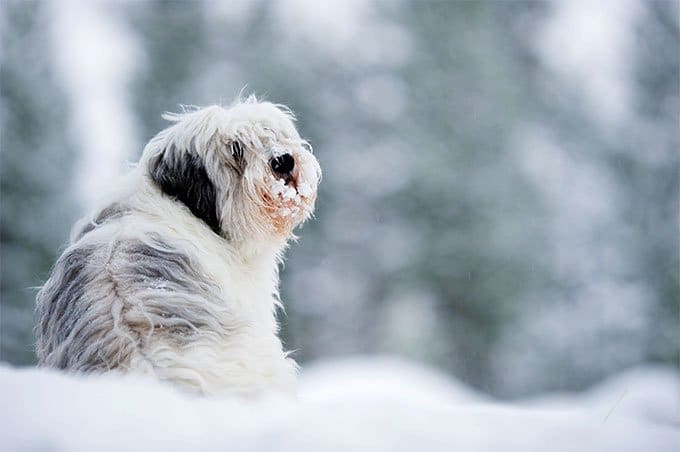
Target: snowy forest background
(500, 194)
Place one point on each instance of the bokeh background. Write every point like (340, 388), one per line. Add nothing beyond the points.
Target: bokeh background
(500, 195)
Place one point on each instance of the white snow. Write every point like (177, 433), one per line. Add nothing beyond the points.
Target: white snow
(287, 197)
(289, 193)
(278, 186)
(305, 190)
(376, 404)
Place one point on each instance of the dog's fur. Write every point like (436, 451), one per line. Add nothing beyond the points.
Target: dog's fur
(177, 276)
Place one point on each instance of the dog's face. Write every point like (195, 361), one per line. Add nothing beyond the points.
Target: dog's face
(243, 170)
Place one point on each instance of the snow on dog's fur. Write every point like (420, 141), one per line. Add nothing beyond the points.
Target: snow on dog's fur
(177, 277)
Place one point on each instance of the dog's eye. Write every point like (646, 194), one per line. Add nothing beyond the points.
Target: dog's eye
(237, 151)
(283, 164)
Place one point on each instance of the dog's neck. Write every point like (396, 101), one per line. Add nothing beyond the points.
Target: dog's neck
(259, 259)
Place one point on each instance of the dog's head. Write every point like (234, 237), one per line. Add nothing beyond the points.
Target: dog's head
(243, 170)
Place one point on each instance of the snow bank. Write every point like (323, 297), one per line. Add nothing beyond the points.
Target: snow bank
(375, 404)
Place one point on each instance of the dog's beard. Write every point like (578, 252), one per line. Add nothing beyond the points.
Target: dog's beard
(287, 205)
(288, 202)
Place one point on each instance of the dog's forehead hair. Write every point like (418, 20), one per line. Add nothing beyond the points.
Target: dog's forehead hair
(275, 118)
(264, 120)
(257, 126)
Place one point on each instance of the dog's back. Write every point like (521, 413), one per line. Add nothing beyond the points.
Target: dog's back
(112, 295)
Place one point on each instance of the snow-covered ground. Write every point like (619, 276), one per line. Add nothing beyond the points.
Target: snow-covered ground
(360, 404)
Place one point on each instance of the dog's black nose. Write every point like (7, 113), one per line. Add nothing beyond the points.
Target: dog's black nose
(283, 164)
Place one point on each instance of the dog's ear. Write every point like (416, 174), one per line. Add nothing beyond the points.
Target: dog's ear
(182, 175)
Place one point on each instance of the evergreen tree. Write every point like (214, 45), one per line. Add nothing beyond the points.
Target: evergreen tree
(35, 171)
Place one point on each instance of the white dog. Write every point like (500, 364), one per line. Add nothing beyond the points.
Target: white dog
(177, 277)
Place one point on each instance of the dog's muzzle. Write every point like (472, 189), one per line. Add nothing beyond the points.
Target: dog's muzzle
(292, 190)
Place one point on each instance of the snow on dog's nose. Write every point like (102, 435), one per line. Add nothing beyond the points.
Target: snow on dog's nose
(292, 189)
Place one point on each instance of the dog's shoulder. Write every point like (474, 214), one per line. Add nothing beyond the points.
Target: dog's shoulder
(119, 283)
(89, 223)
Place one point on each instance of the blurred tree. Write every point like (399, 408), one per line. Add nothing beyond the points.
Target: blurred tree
(174, 39)
(612, 297)
(649, 171)
(35, 171)
(478, 219)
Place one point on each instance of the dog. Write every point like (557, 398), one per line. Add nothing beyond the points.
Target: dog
(176, 276)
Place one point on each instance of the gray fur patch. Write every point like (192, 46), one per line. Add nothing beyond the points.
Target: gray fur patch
(103, 304)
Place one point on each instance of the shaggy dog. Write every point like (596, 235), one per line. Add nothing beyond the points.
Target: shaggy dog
(177, 276)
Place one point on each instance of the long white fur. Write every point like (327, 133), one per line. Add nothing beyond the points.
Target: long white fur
(130, 323)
